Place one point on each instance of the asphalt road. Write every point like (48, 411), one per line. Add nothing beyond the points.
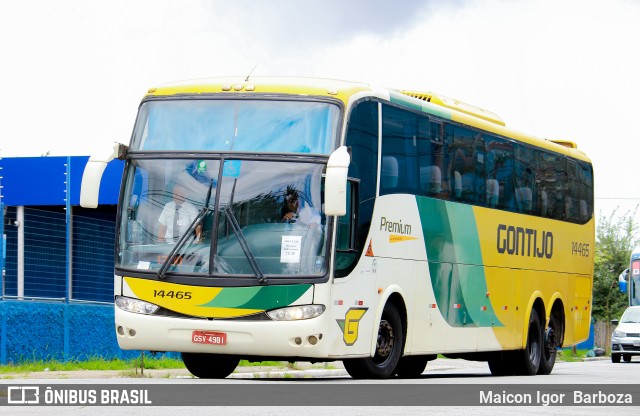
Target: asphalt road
(256, 386)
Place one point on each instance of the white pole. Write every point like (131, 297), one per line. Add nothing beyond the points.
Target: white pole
(20, 225)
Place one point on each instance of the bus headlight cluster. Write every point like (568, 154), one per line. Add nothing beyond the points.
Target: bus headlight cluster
(295, 313)
(136, 305)
(619, 334)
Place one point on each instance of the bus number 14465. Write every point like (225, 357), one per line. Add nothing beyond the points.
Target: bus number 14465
(579, 249)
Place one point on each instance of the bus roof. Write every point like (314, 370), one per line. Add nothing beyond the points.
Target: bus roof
(428, 102)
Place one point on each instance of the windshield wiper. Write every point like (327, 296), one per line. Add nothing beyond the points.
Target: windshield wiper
(244, 245)
(185, 237)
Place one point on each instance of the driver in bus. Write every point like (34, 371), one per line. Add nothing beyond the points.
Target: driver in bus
(292, 212)
(176, 217)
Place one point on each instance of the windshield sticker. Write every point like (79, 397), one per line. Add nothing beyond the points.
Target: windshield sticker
(290, 249)
(231, 168)
(144, 265)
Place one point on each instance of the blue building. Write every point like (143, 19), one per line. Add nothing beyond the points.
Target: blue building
(56, 291)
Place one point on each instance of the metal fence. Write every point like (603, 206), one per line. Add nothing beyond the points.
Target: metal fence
(51, 254)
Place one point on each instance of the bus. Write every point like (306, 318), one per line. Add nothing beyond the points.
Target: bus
(337, 221)
(629, 280)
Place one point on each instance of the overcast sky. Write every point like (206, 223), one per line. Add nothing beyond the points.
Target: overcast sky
(74, 71)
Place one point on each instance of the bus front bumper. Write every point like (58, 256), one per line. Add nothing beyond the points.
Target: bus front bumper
(310, 338)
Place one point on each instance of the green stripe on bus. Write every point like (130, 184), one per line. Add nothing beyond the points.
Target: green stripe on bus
(262, 298)
(455, 263)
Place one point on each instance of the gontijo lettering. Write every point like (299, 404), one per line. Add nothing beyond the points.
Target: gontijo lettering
(518, 241)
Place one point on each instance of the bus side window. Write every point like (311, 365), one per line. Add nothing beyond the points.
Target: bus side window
(526, 193)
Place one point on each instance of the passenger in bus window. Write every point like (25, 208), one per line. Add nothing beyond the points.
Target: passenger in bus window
(176, 217)
(293, 212)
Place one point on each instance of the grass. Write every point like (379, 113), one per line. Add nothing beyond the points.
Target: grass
(245, 363)
(568, 355)
(150, 363)
(91, 364)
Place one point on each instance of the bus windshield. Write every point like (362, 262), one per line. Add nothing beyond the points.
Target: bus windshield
(236, 125)
(263, 218)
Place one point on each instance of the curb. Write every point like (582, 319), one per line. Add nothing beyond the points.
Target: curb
(310, 373)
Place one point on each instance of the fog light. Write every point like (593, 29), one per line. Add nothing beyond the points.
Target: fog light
(132, 332)
(298, 340)
(313, 340)
(120, 330)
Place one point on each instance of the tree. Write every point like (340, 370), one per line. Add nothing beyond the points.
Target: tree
(615, 239)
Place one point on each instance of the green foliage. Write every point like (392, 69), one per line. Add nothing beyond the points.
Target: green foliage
(99, 363)
(568, 355)
(615, 239)
(92, 364)
(245, 363)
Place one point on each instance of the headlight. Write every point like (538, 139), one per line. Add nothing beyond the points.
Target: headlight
(295, 313)
(136, 305)
(619, 334)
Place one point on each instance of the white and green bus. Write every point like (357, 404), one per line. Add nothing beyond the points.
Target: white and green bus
(325, 220)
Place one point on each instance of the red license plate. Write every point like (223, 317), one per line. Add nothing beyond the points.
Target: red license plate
(208, 337)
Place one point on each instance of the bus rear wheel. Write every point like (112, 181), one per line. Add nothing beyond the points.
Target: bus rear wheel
(389, 345)
(209, 365)
(549, 347)
(530, 358)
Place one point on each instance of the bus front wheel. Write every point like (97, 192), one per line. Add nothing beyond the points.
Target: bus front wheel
(389, 345)
(209, 365)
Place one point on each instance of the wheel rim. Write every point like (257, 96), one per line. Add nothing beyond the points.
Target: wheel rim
(551, 343)
(385, 342)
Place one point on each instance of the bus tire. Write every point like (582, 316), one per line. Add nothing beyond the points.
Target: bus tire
(209, 365)
(626, 358)
(615, 358)
(549, 346)
(389, 346)
(529, 359)
(412, 366)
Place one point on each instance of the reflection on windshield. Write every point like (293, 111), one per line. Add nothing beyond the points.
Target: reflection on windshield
(239, 125)
(264, 218)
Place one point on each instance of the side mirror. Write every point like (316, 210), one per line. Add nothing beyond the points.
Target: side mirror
(335, 183)
(622, 281)
(92, 175)
(622, 286)
(614, 322)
